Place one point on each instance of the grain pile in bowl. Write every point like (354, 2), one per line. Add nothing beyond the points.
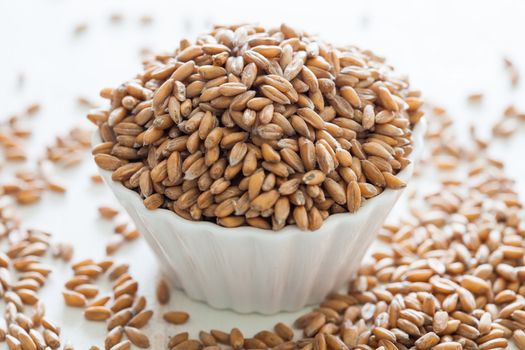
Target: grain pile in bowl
(259, 127)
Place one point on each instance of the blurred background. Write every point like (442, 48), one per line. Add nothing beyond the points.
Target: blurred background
(60, 53)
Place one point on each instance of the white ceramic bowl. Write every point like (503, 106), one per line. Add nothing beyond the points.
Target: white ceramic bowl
(253, 270)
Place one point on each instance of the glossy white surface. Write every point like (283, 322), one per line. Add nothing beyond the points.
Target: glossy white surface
(450, 48)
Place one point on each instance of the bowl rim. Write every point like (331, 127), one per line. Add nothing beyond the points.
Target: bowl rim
(288, 231)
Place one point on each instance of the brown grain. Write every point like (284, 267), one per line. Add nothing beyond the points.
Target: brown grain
(140, 319)
(97, 313)
(137, 337)
(73, 298)
(113, 337)
(107, 212)
(176, 317)
(236, 339)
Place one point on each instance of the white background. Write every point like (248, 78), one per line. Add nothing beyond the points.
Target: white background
(449, 49)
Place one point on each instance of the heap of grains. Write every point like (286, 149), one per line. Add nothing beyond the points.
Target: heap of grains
(267, 128)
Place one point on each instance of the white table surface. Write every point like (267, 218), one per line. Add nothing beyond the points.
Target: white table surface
(449, 48)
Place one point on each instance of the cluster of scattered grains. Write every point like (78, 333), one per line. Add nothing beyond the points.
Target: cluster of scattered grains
(69, 150)
(508, 123)
(12, 135)
(268, 128)
(23, 324)
(124, 231)
(28, 186)
(63, 251)
(445, 151)
(123, 310)
(281, 338)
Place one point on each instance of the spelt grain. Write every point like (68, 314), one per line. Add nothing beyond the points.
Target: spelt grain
(97, 313)
(236, 339)
(163, 292)
(176, 317)
(74, 299)
(137, 337)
